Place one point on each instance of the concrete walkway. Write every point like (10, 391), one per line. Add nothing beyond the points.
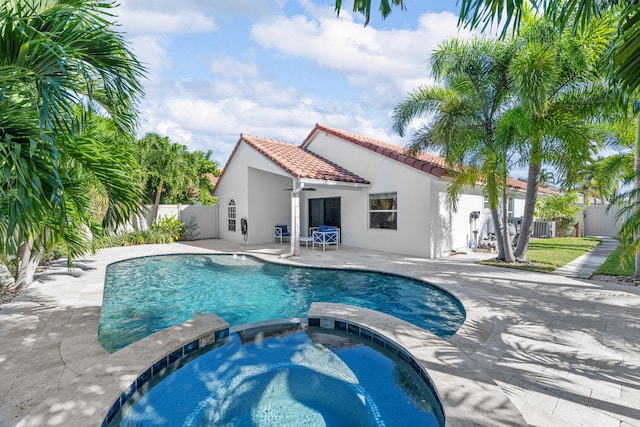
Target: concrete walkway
(565, 351)
(585, 265)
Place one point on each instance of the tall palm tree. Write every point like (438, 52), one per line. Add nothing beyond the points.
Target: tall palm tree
(470, 106)
(54, 56)
(557, 80)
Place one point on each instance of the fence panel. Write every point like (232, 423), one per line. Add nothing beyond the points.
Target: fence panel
(205, 217)
(599, 222)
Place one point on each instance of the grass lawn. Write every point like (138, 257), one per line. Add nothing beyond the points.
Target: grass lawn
(612, 267)
(547, 255)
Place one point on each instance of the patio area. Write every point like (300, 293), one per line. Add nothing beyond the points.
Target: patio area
(565, 351)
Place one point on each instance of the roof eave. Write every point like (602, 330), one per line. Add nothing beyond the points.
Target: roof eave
(334, 184)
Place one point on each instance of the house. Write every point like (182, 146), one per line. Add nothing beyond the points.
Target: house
(381, 198)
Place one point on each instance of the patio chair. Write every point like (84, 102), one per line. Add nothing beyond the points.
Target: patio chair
(326, 235)
(281, 232)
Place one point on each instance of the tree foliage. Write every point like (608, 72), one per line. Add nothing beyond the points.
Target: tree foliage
(57, 58)
(472, 120)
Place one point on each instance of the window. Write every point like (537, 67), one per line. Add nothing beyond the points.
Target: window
(485, 203)
(383, 210)
(231, 215)
(510, 207)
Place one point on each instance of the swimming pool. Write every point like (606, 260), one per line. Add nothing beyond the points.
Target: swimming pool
(146, 295)
(288, 378)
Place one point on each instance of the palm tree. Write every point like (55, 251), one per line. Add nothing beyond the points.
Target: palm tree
(470, 107)
(54, 56)
(546, 178)
(557, 80)
(165, 165)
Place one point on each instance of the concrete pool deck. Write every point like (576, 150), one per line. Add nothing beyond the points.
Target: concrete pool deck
(565, 351)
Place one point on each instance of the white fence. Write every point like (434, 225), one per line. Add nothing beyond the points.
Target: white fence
(205, 217)
(599, 222)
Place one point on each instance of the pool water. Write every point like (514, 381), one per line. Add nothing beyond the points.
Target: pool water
(298, 378)
(146, 295)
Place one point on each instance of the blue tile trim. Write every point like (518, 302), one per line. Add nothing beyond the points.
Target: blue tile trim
(144, 378)
(221, 334)
(113, 410)
(157, 368)
(176, 355)
(191, 347)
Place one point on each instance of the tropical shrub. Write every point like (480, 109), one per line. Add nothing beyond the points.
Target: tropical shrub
(169, 228)
(561, 208)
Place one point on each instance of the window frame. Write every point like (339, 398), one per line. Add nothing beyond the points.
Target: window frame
(485, 203)
(232, 216)
(393, 211)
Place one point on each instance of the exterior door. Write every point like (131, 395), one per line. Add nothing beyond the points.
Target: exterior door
(325, 211)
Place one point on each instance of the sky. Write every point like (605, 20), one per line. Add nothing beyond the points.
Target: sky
(275, 68)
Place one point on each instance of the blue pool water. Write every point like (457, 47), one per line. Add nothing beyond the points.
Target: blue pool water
(146, 295)
(300, 378)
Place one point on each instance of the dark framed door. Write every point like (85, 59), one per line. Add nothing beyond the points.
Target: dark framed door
(324, 211)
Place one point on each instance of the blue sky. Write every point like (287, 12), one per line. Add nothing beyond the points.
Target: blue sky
(275, 68)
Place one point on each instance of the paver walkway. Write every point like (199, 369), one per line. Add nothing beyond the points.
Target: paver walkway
(585, 265)
(565, 351)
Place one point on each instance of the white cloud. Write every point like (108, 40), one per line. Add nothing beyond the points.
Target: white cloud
(152, 52)
(237, 96)
(387, 63)
(136, 19)
(229, 67)
(202, 120)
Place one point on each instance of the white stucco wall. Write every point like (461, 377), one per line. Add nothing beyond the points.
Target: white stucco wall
(269, 204)
(386, 175)
(238, 184)
(461, 226)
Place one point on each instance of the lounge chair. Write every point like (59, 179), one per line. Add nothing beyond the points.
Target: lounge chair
(281, 232)
(326, 235)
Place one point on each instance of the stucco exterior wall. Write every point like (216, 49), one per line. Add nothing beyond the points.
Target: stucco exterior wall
(386, 175)
(269, 204)
(461, 226)
(237, 184)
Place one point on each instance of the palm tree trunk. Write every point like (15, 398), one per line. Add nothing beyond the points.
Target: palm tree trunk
(508, 249)
(636, 187)
(533, 182)
(156, 203)
(495, 216)
(6, 278)
(28, 260)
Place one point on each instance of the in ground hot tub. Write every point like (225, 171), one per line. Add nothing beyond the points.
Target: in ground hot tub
(286, 375)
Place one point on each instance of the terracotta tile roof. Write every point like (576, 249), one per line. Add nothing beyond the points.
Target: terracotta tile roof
(516, 184)
(428, 163)
(212, 178)
(301, 163)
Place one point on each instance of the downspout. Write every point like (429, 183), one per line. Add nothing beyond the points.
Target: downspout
(295, 220)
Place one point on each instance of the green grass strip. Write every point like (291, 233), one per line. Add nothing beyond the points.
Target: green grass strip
(546, 255)
(612, 266)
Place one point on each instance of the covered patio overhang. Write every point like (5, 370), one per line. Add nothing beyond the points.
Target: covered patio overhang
(300, 184)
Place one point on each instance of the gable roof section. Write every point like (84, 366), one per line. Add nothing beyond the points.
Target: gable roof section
(297, 161)
(429, 163)
(516, 184)
(424, 162)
